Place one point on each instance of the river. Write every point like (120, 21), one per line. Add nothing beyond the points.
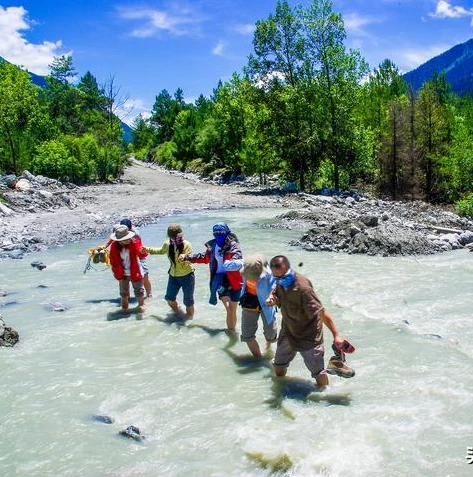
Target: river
(204, 407)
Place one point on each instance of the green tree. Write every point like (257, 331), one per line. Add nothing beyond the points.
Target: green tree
(20, 118)
(62, 97)
(432, 126)
(338, 73)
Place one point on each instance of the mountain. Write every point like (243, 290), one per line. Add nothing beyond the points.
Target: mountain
(41, 82)
(456, 63)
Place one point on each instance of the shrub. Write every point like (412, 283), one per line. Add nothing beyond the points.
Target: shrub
(465, 206)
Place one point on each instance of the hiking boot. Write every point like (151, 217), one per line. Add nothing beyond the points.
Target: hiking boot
(337, 365)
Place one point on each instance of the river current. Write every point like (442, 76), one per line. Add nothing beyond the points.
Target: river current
(207, 409)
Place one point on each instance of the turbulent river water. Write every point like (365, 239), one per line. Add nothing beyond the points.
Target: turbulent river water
(204, 407)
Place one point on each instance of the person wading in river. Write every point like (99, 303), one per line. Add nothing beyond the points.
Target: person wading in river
(225, 259)
(303, 317)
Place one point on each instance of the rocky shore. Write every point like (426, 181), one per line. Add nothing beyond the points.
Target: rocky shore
(38, 212)
(376, 227)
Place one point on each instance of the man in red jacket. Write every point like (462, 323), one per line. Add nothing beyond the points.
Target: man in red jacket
(125, 252)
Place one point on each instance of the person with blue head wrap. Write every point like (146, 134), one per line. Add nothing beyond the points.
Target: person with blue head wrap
(303, 317)
(225, 259)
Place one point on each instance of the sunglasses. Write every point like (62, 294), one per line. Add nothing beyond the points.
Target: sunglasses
(219, 233)
(277, 266)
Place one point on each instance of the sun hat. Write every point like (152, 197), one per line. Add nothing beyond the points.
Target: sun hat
(254, 267)
(173, 230)
(122, 232)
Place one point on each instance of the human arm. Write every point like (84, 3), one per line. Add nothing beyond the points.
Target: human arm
(202, 257)
(327, 320)
(158, 250)
(272, 299)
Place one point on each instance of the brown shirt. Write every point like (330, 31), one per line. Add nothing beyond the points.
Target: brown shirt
(300, 307)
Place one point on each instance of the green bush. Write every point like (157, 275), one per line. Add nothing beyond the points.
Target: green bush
(465, 206)
(70, 159)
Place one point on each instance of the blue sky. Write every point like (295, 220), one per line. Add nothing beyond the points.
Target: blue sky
(150, 45)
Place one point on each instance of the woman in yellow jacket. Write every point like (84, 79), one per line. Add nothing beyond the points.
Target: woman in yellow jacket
(181, 273)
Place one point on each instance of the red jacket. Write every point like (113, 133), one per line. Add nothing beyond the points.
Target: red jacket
(116, 261)
(231, 251)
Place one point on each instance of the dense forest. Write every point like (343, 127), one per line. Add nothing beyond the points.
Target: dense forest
(64, 131)
(304, 107)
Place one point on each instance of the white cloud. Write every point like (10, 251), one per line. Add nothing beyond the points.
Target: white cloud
(218, 49)
(17, 50)
(129, 111)
(152, 21)
(246, 29)
(447, 10)
(355, 23)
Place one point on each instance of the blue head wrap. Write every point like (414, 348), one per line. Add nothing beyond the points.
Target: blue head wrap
(220, 231)
(221, 228)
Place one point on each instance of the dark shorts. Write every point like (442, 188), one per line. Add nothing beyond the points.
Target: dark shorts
(227, 291)
(187, 283)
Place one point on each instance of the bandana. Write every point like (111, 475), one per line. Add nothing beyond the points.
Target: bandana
(287, 280)
(177, 240)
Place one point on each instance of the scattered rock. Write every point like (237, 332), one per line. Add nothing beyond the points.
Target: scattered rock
(39, 265)
(103, 418)
(8, 336)
(56, 306)
(132, 432)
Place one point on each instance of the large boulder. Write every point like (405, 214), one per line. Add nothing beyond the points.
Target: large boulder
(8, 336)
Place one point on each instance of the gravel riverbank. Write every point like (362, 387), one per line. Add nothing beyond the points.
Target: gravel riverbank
(37, 213)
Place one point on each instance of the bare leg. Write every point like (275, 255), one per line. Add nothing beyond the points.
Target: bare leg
(173, 305)
(141, 303)
(322, 380)
(254, 348)
(231, 307)
(280, 371)
(190, 311)
(124, 302)
(147, 285)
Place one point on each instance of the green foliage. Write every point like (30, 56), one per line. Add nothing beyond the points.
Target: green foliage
(77, 159)
(166, 155)
(64, 131)
(19, 118)
(465, 206)
(306, 108)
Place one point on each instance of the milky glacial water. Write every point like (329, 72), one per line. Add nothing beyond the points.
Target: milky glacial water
(205, 408)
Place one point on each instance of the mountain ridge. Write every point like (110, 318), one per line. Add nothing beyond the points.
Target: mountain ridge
(457, 65)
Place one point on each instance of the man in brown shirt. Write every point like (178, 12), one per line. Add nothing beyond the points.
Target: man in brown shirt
(303, 317)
